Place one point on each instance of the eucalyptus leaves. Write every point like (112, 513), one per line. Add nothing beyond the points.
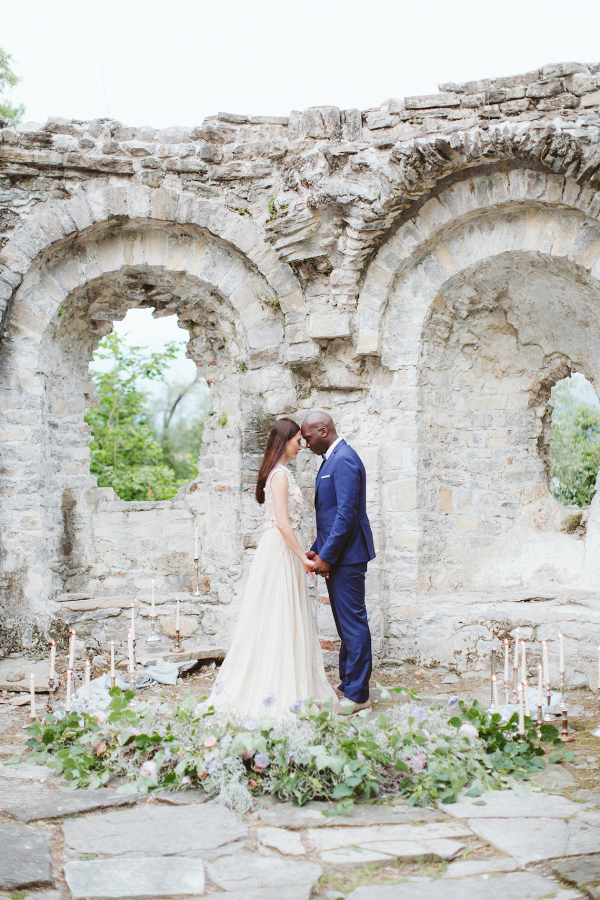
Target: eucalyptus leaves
(421, 754)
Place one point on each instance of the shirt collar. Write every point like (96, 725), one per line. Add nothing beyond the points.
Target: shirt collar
(332, 448)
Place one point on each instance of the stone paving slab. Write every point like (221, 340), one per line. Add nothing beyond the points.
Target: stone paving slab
(287, 842)
(583, 871)
(507, 804)
(116, 878)
(282, 815)
(532, 840)
(25, 859)
(155, 830)
(72, 803)
(513, 886)
(25, 772)
(27, 793)
(332, 838)
(466, 867)
(379, 851)
(245, 871)
(296, 892)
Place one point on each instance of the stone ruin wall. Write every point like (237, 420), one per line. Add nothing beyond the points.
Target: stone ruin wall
(436, 267)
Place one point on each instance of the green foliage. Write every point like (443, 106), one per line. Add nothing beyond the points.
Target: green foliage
(417, 753)
(575, 452)
(125, 454)
(272, 207)
(273, 303)
(241, 366)
(222, 420)
(8, 80)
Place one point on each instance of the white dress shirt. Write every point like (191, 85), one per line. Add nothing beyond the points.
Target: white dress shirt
(328, 453)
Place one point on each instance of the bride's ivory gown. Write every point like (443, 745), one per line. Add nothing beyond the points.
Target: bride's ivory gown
(275, 648)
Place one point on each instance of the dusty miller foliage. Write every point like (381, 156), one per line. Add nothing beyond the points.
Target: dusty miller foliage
(421, 754)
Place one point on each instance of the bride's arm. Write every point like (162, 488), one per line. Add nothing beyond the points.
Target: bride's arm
(279, 491)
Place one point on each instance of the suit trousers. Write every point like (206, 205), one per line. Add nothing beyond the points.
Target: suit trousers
(346, 588)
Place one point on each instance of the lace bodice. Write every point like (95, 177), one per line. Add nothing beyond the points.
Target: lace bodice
(294, 499)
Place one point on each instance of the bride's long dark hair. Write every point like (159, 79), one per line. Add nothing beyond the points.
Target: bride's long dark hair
(282, 431)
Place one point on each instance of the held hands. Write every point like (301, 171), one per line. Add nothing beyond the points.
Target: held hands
(308, 566)
(320, 567)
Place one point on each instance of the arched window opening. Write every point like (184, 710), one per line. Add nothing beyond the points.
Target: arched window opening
(575, 446)
(148, 414)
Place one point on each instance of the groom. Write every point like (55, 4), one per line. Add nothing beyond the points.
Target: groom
(343, 547)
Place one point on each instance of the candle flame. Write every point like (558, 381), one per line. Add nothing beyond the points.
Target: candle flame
(494, 678)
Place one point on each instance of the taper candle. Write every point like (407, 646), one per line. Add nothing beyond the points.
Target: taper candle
(505, 661)
(130, 651)
(86, 695)
(152, 609)
(495, 693)
(526, 695)
(177, 617)
(523, 661)
(545, 662)
(68, 697)
(112, 659)
(32, 691)
(521, 711)
(516, 662)
(132, 622)
(72, 650)
(540, 689)
(196, 544)
(52, 660)
(562, 653)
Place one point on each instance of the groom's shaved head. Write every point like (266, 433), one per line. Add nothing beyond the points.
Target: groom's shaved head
(319, 431)
(320, 419)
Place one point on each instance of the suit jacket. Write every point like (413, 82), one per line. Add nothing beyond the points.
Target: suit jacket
(344, 534)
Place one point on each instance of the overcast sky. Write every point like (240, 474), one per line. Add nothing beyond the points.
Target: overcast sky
(174, 62)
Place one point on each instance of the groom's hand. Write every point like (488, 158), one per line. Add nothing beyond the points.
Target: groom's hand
(310, 554)
(321, 567)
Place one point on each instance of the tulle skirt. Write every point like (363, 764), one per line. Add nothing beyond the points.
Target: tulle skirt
(275, 657)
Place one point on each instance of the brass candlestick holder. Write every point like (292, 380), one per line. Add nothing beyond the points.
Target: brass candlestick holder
(547, 716)
(113, 681)
(52, 686)
(132, 679)
(153, 636)
(515, 697)
(197, 565)
(177, 648)
(540, 720)
(564, 731)
(596, 732)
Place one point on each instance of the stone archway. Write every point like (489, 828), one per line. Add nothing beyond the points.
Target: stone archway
(67, 534)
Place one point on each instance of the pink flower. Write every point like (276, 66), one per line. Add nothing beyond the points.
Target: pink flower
(210, 741)
(468, 730)
(417, 762)
(149, 768)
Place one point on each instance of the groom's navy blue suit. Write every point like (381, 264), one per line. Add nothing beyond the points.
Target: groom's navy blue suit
(345, 541)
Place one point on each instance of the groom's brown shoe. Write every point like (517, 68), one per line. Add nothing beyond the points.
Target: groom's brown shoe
(344, 709)
(340, 693)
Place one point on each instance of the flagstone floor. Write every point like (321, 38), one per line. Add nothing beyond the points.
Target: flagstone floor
(89, 845)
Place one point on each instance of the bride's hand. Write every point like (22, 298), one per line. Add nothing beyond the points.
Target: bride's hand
(308, 566)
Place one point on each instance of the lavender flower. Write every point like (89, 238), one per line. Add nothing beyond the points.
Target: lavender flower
(212, 765)
(250, 724)
(218, 687)
(226, 740)
(261, 761)
(269, 700)
(296, 705)
(420, 713)
(167, 754)
(350, 732)
(452, 701)
(292, 754)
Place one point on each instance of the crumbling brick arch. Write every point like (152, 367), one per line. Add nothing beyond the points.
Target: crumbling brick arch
(67, 301)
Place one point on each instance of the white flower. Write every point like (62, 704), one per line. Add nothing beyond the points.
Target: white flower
(149, 768)
(468, 730)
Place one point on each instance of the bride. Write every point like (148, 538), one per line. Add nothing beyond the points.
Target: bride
(275, 657)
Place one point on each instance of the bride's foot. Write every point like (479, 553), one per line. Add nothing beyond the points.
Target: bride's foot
(339, 691)
(343, 709)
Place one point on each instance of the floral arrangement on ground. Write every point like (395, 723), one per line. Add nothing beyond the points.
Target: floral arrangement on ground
(422, 754)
